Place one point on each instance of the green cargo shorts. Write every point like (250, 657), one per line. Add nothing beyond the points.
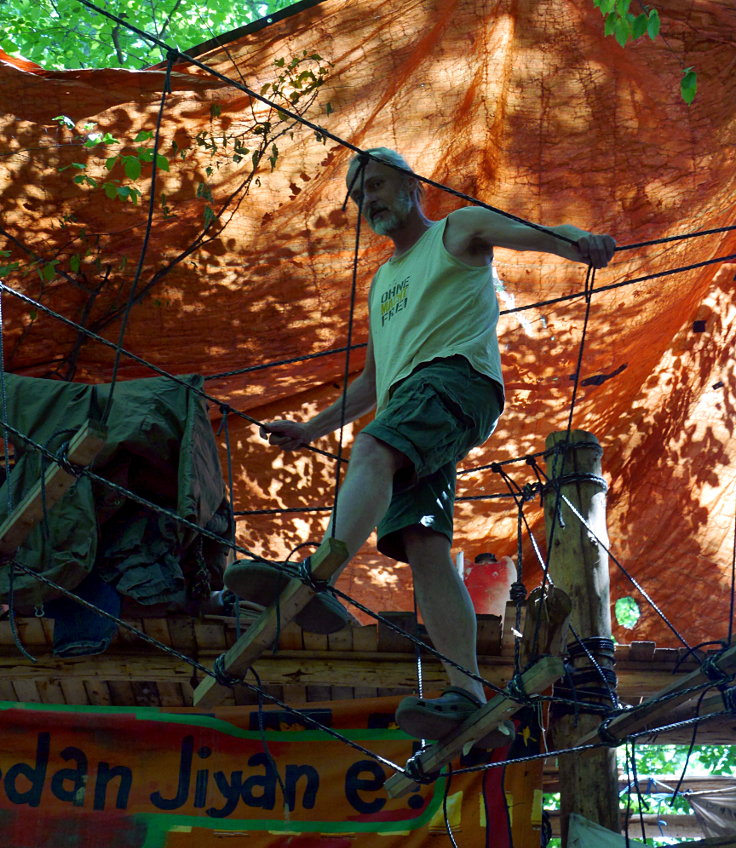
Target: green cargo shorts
(434, 417)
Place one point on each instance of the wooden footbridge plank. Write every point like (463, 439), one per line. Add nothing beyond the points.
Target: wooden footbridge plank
(83, 448)
(536, 679)
(262, 634)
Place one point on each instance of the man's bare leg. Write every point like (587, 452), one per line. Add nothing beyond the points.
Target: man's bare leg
(366, 492)
(444, 603)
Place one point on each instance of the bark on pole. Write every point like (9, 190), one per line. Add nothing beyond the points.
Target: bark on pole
(579, 566)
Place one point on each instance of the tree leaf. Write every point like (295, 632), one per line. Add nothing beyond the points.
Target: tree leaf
(143, 135)
(162, 162)
(654, 24)
(688, 85)
(132, 166)
(622, 31)
(639, 27)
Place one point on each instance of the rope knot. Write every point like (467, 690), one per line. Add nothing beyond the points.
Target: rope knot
(306, 576)
(713, 671)
(516, 691)
(61, 457)
(416, 772)
(517, 592)
(222, 676)
(496, 467)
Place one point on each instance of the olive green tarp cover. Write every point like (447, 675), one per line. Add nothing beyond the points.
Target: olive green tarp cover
(159, 445)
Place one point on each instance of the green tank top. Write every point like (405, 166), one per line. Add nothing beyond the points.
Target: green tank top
(428, 304)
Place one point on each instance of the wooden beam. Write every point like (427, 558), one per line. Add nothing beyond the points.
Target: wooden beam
(536, 679)
(83, 448)
(675, 826)
(263, 633)
(655, 710)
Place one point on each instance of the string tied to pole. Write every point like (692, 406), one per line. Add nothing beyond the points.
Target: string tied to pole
(223, 677)
(306, 575)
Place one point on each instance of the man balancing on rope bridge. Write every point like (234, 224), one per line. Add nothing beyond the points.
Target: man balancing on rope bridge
(433, 373)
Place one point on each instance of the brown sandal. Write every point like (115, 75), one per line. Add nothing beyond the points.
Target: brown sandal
(436, 717)
(433, 718)
(262, 582)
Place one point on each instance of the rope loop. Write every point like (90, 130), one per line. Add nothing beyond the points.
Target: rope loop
(223, 677)
(517, 592)
(61, 457)
(605, 734)
(729, 699)
(416, 772)
(306, 576)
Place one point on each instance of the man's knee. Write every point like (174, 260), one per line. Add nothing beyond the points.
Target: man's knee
(367, 448)
(424, 545)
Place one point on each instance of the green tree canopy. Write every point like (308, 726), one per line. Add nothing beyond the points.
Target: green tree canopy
(66, 34)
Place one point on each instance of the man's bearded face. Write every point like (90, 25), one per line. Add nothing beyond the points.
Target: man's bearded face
(384, 219)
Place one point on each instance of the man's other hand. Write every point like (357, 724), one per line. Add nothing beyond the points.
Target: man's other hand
(289, 435)
(596, 250)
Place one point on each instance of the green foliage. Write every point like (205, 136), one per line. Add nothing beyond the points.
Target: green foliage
(688, 85)
(132, 162)
(118, 169)
(662, 760)
(625, 26)
(66, 34)
(627, 612)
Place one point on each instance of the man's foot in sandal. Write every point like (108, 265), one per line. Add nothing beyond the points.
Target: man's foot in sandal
(261, 583)
(434, 718)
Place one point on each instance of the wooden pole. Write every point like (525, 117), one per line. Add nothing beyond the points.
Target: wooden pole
(579, 566)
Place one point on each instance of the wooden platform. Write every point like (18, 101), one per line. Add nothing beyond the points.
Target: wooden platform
(357, 662)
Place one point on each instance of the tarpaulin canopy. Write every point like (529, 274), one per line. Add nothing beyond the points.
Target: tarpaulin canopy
(521, 103)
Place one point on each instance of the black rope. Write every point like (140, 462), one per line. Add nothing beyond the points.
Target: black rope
(239, 681)
(146, 238)
(589, 287)
(325, 133)
(415, 640)
(554, 300)
(351, 320)
(626, 573)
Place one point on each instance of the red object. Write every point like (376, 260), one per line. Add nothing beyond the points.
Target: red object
(489, 584)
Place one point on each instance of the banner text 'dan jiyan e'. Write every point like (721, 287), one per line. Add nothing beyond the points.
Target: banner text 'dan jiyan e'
(247, 772)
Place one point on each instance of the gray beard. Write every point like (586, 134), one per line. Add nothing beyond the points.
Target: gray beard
(395, 217)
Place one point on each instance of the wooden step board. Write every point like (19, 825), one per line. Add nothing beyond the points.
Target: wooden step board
(654, 710)
(536, 679)
(83, 448)
(264, 632)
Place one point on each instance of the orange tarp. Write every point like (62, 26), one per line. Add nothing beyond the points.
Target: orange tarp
(523, 104)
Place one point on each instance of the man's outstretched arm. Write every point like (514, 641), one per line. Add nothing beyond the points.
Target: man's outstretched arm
(478, 230)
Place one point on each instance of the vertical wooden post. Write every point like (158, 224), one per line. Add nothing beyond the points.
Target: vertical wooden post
(579, 566)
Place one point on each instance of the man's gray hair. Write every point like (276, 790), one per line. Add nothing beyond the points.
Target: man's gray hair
(390, 157)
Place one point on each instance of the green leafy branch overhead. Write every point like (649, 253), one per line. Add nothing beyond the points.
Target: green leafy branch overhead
(625, 26)
(111, 169)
